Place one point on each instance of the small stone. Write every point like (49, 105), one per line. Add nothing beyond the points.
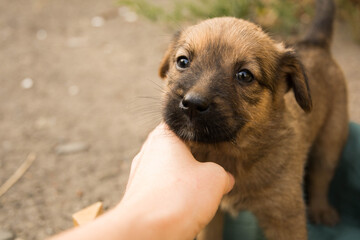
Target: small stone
(97, 21)
(73, 90)
(6, 235)
(27, 83)
(131, 17)
(44, 122)
(41, 34)
(71, 148)
(127, 14)
(75, 42)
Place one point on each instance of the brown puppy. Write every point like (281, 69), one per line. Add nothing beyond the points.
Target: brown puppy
(240, 99)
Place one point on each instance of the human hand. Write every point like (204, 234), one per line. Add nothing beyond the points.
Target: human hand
(169, 195)
(171, 192)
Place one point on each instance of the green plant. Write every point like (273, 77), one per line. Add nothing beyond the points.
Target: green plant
(145, 8)
(282, 16)
(349, 10)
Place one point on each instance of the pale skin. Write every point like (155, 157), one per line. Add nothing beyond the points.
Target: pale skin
(169, 195)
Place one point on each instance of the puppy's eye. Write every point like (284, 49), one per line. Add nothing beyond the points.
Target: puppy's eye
(245, 76)
(182, 62)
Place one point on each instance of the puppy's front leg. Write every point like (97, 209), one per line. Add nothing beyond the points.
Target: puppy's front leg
(283, 218)
(214, 230)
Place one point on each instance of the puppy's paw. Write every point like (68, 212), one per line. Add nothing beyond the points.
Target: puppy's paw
(323, 214)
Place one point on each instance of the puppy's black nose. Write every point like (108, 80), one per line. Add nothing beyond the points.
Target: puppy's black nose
(193, 104)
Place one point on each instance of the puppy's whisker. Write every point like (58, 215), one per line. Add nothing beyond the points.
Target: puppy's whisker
(149, 98)
(160, 87)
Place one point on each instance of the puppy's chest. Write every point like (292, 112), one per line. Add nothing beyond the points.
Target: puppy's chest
(232, 162)
(250, 178)
(228, 161)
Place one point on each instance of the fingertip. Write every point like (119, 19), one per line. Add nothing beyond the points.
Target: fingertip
(230, 183)
(163, 132)
(162, 125)
(225, 180)
(162, 129)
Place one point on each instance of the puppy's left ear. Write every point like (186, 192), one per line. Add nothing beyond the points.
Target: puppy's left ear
(165, 62)
(296, 79)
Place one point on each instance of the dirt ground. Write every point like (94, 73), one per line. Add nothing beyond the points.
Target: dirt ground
(96, 86)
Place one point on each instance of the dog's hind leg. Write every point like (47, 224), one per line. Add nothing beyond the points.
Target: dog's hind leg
(323, 160)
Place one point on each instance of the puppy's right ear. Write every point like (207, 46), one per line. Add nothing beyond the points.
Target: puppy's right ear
(165, 62)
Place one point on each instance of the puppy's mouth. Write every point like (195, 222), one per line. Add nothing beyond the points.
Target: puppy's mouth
(198, 121)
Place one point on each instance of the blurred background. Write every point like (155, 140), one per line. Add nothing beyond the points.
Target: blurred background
(79, 90)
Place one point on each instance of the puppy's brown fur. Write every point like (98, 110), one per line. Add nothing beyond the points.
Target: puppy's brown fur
(261, 131)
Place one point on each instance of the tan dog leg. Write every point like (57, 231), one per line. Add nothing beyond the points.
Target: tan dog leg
(283, 217)
(214, 230)
(323, 161)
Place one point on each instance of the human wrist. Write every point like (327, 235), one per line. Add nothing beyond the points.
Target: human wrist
(140, 221)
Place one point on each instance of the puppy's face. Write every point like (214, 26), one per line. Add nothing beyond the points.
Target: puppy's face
(225, 75)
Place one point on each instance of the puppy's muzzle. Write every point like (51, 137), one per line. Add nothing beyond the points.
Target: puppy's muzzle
(193, 105)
